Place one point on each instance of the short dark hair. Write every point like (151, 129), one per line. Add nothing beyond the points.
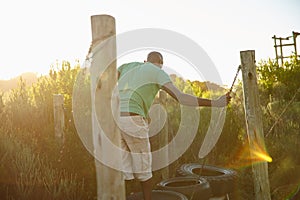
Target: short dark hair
(155, 57)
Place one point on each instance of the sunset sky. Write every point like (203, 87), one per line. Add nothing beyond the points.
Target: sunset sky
(36, 34)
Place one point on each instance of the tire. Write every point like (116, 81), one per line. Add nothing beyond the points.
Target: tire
(195, 188)
(222, 181)
(159, 195)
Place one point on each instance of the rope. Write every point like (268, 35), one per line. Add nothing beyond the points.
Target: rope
(235, 77)
(283, 111)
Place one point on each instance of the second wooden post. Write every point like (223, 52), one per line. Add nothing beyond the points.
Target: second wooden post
(254, 125)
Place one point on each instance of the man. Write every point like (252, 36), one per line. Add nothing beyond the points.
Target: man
(138, 85)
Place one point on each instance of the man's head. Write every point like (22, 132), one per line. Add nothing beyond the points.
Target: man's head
(155, 58)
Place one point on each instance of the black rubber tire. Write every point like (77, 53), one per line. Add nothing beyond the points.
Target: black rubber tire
(222, 181)
(159, 195)
(195, 188)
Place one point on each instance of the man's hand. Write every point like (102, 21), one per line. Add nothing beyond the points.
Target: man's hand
(221, 101)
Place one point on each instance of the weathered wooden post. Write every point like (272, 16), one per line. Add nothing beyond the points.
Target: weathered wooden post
(163, 136)
(59, 119)
(1, 104)
(110, 183)
(254, 124)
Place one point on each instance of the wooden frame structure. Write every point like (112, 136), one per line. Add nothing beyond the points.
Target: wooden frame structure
(280, 45)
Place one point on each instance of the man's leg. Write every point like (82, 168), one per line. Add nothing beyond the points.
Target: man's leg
(137, 140)
(147, 188)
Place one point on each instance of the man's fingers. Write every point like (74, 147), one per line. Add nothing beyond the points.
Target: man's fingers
(228, 97)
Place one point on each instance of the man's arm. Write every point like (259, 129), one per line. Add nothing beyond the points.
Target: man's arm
(190, 100)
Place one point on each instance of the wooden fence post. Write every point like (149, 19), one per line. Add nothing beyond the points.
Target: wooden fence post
(163, 136)
(59, 119)
(110, 182)
(1, 103)
(254, 124)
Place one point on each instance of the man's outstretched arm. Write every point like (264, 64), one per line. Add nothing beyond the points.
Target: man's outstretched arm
(190, 100)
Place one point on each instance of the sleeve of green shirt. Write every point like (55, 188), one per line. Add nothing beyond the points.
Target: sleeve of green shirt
(163, 78)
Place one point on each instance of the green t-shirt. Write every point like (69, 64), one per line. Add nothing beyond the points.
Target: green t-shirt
(138, 85)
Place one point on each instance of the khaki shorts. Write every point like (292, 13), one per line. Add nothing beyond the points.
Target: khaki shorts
(136, 156)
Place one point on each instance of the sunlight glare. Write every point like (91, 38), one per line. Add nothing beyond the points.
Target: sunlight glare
(263, 156)
(248, 155)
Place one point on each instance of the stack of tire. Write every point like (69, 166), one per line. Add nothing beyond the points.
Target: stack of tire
(195, 182)
(222, 181)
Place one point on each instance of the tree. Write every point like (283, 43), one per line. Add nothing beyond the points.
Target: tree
(279, 82)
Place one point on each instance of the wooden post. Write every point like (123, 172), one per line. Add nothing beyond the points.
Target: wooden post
(110, 182)
(295, 34)
(163, 136)
(1, 104)
(276, 53)
(281, 52)
(254, 124)
(59, 119)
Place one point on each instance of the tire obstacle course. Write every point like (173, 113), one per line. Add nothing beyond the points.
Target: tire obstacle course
(194, 181)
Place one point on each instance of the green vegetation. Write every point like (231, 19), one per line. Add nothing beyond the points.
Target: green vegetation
(34, 165)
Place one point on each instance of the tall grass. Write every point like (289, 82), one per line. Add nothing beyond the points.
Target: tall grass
(26, 175)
